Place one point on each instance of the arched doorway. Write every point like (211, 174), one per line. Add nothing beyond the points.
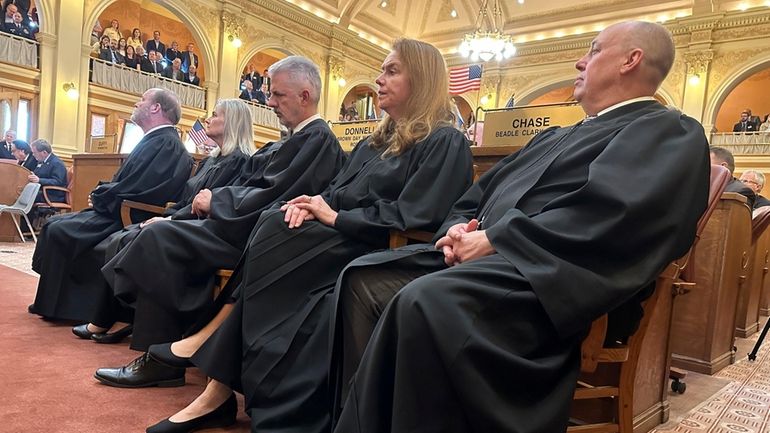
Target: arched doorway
(750, 93)
(360, 103)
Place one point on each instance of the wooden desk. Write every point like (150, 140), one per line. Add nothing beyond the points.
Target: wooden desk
(13, 177)
(486, 156)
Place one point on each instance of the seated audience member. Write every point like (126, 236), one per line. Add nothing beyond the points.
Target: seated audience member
(173, 70)
(152, 65)
(132, 60)
(156, 44)
(274, 346)
(746, 124)
(262, 95)
(173, 52)
(189, 57)
(135, 40)
(23, 154)
(122, 47)
(303, 163)
(18, 28)
(111, 54)
(99, 47)
(723, 157)
(765, 126)
(7, 144)
(230, 128)
(113, 31)
(191, 76)
(482, 331)
(755, 180)
(10, 11)
(248, 93)
(155, 173)
(50, 170)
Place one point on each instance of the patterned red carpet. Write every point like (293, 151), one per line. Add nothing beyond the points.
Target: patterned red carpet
(46, 375)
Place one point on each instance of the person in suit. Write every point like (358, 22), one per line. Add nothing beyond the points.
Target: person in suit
(723, 157)
(173, 70)
(262, 95)
(50, 170)
(173, 52)
(755, 180)
(111, 54)
(253, 76)
(746, 124)
(10, 10)
(156, 44)
(248, 93)
(23, 153)
(18, 28)
(189, 58)
(152, 65)
(192, 77)
(7, 145)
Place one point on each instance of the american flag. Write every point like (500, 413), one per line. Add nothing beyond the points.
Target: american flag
(464, 79)
(198, 133)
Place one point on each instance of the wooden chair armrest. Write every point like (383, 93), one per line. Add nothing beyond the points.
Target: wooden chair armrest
(127, 205)
(593, 344)
(54, 204)
(400, 238)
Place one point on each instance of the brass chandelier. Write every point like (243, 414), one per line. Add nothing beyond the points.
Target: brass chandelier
(487, 43)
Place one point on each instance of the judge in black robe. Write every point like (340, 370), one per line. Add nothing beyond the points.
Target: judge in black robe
(578, 223)
(155, 173)
(171, 300)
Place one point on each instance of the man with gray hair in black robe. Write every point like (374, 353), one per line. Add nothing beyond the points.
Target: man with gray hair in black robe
(482, 332)
(155, 173)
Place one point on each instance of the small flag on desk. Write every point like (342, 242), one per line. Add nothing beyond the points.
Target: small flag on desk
(198, 133)
(464, 79)
(510, 102)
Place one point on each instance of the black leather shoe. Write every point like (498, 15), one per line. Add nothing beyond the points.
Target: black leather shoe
(163, 354)
(113, 337)
(83, 332)
(222, 416)
(141, 372)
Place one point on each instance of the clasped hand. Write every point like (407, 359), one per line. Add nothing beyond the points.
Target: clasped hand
(201, 204)
(464, 242)
(305, 208)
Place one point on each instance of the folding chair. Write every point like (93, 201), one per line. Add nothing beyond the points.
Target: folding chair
(22, 206)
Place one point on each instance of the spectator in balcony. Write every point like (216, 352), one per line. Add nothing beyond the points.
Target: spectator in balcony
(173, 52)
(153, 65)
(189, 58)
(132, 60)
(253, 76)
(122, 46)
(9, 11)
(156, 44)
(249, 94)
(765, 126)
(21, 5)
(23, 153)
(113, 32)
(96, 32)
(111, 54)
(263, 94)
(191, 77)
(141, 53)
(18, 27)
(754, 119)
(173, 70)
(135, 39)
(745, 124)
(104, 43)
(266, 80)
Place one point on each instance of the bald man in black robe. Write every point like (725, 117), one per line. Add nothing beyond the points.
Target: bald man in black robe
(155, 173)
(484, 331)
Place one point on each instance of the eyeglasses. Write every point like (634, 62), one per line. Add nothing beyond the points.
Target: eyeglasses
(750, 181)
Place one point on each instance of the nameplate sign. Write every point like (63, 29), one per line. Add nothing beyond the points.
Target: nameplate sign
(104, 144)
(350, 133)
(516, 126)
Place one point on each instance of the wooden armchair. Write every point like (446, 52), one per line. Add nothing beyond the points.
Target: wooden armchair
(127, 205)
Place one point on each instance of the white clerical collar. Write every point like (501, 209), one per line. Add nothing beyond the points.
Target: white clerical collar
(305, 122)
(626, 102)
(157, 128)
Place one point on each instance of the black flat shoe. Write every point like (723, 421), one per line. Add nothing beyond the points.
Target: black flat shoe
(163, 354)
(83, 332)
(222, 416)
(113, 337)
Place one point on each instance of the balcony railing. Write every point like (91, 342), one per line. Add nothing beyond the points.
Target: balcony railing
(19, 51)
(263, 115)
(130, 80)
(743, 143)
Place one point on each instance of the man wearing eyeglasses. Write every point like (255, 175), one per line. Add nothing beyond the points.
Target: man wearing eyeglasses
(756, 181)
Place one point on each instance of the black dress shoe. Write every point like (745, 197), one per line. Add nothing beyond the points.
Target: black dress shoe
(141, 372)
(83, 332)
(222, 416)
(163, 354)
(113, 337)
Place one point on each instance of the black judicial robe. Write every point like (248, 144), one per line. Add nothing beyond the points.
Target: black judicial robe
(274, 344)
(155, 172)
(167, 272)
(582, 220)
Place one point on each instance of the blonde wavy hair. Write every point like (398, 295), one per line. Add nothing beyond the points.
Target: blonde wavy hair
(238, 132)
(429, 105)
